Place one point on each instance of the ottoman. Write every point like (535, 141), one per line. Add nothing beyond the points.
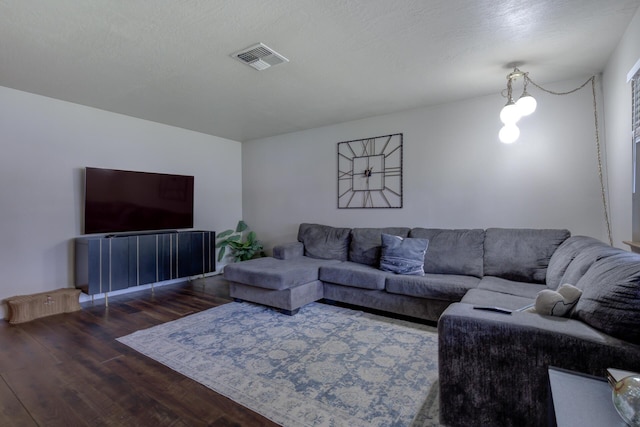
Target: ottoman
(286, 285)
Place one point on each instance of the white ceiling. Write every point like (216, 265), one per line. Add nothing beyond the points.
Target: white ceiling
(169, 60)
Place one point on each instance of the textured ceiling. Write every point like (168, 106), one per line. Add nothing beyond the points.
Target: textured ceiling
(169, 60)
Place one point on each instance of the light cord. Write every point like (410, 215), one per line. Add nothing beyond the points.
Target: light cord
(603, 191)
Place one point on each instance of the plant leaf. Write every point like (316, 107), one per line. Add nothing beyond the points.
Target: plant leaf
(241, 226)
(224, 234)
(221, 253)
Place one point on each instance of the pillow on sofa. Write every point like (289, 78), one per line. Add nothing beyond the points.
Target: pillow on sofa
(365, 243)
(557, 303)
(403, 255)
(611, 296)
(324, 242)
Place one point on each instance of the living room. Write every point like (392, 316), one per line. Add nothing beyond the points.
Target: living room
(456, 172)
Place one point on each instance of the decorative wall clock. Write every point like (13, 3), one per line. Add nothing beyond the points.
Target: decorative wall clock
(370, 172)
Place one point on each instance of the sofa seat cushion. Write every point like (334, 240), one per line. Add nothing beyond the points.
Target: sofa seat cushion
(354, 274)
(484, 297)
(324, 242)
(366, 243)
(446, 287)
(520, 254)
(452, 251)
(511, 287)
(610, 298)
(272, 273)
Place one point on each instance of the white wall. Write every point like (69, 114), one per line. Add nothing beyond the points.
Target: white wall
(46, 143)
(618, 118)
(456, 172)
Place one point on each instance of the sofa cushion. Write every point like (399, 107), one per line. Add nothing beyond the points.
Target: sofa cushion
(272, 273)
(564, 255)
(585, 259)
(446, 287)
(511, 287)
(355, 275)
(403, 255)
(366, 243)
(520, 254)
(452, 251)
(610, 298)
(324, 242)
(484, 297)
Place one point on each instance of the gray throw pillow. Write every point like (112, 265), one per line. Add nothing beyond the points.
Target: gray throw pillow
(403, 256)
(366, 242)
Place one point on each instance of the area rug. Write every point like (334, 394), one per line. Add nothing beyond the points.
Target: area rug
(325, 366)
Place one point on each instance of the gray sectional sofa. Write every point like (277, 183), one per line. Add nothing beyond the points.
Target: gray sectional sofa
(492, 365)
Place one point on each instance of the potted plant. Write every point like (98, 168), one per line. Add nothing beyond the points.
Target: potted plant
(243, 244)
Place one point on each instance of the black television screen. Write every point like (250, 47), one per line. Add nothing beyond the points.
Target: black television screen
(121, 201)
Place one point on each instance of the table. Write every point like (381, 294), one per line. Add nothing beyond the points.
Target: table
(580, 400)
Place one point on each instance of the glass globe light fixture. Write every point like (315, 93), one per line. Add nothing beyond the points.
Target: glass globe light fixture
(510, 113)
(509, 133)
(526, 104)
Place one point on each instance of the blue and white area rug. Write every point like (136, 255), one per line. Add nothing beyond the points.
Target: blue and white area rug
(325, 366)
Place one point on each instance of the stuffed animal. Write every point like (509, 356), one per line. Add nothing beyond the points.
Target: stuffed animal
(557, 303)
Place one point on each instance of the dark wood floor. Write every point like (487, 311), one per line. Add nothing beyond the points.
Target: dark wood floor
(68, 370)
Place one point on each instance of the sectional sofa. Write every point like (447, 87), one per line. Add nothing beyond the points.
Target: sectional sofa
(492, 364)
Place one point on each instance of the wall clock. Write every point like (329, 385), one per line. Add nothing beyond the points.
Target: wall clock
(370, 172)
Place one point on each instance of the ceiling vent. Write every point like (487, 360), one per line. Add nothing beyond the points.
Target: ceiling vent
(259, 57)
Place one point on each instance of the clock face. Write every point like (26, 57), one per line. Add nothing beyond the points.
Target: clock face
(370, 172)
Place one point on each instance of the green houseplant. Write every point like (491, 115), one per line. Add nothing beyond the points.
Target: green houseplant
(242, 244)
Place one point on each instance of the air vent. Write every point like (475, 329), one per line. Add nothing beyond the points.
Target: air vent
(259, 57)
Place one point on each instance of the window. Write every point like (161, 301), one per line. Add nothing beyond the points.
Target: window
(635, 107)
(635, 136)
(635, 124)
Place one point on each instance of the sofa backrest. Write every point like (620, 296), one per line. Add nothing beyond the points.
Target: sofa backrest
(366, 243)
(324, 242)
(452, 251)
(574, 257)
(520, 254)
(610, 298)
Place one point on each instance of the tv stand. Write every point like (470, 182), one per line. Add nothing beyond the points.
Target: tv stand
(116, 262)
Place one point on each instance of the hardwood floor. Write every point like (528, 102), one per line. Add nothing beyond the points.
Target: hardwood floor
(68, 370)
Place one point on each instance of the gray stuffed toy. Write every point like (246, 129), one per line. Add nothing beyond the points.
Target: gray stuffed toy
(556, 303)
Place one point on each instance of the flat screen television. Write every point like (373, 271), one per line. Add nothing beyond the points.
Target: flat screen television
(126, 201)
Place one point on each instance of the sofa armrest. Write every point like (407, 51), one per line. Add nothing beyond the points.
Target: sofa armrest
(493, 366)
(288, 250)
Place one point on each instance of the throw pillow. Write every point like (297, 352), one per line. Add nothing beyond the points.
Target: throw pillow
(403, 255)
(366, 243)
(557, 303)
